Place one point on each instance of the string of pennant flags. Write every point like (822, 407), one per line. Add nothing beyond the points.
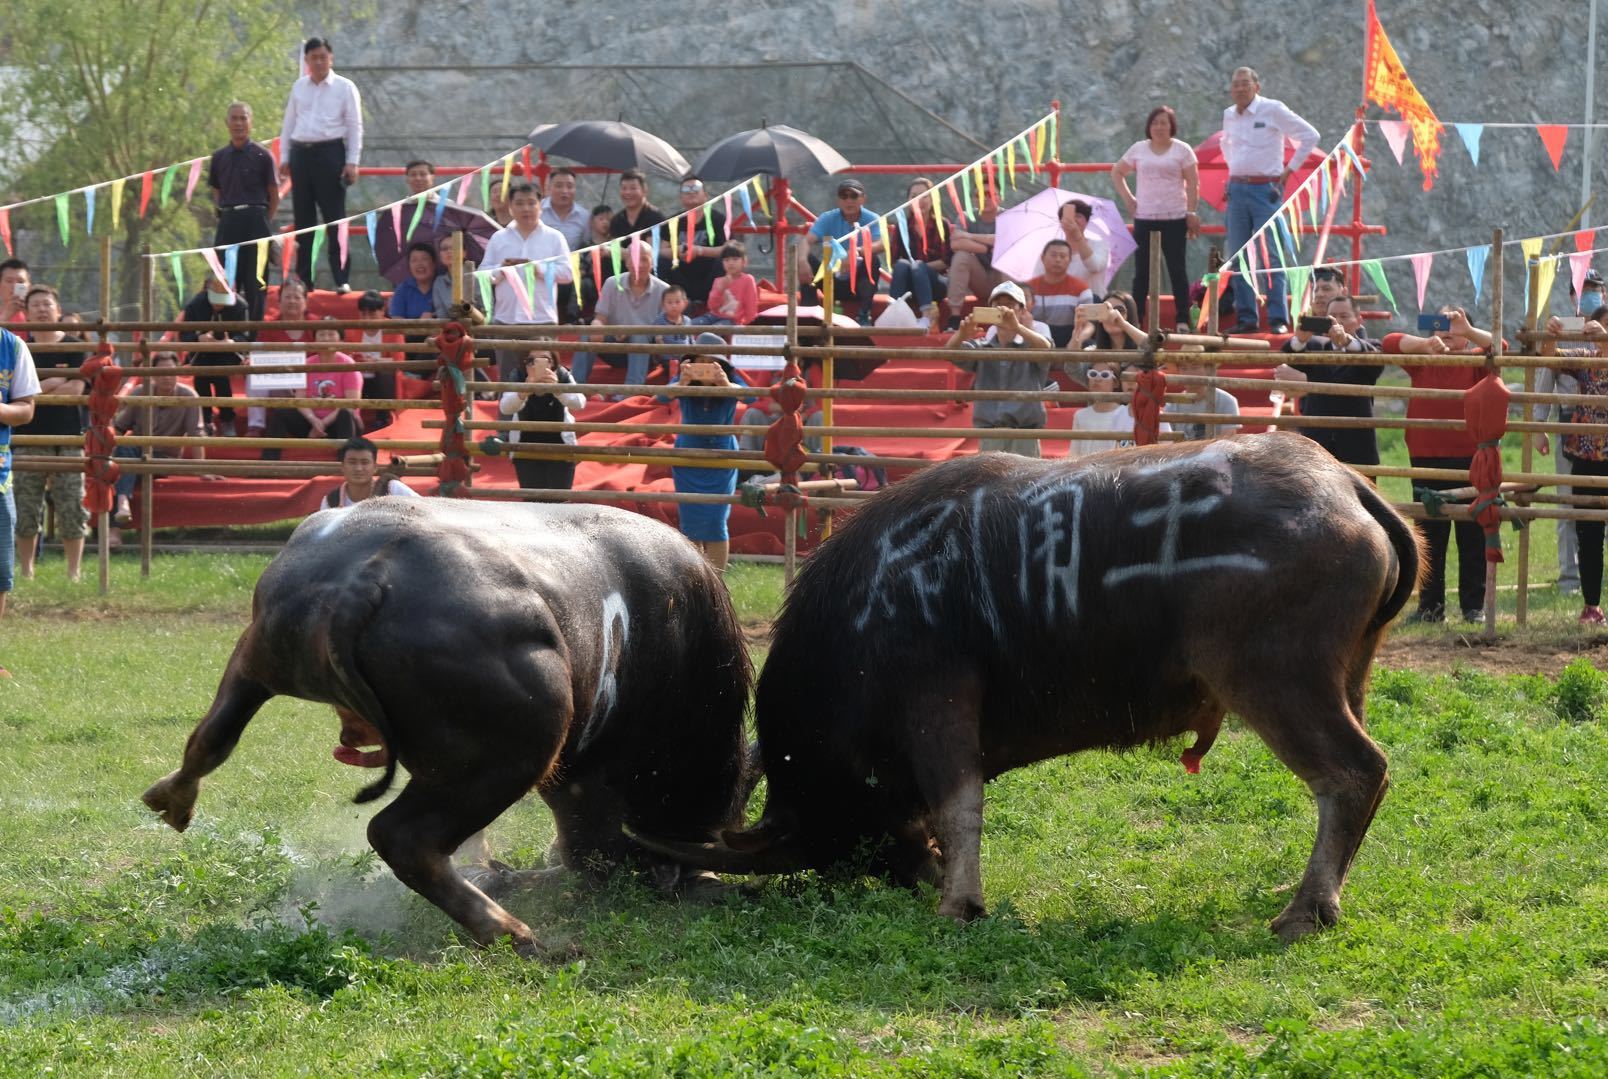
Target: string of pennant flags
(155, 183)
(1554, 137)
(682, 231)
(982, 179)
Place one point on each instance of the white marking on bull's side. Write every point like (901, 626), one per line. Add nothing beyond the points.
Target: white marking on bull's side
(608, 686)
(894, 558)
(1167, 563)
(1052, 526)
(332, 521)
(979, 566)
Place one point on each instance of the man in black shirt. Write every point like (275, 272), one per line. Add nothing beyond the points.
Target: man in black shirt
(214, 304)
(1352, 446)
(636, 212)
(57, 374)
(707, 240)
(246, 192)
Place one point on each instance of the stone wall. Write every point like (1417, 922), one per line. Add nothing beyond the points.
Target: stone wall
(936, 72)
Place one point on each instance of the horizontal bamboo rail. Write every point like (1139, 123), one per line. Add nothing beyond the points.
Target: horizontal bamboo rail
(687, 498)
(1050, 434)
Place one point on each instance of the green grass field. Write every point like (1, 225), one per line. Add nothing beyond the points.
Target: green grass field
(1127, 929)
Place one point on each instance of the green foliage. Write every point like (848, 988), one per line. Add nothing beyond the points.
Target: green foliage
(1580, 692)
(110, 88)
(1126, 934)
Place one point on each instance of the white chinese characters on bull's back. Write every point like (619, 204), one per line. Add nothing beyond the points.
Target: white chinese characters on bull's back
(999, 611)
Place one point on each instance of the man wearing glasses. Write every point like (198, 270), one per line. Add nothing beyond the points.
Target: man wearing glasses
(850, 215)
(707, 240)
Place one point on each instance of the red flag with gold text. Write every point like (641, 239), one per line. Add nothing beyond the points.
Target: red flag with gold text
(1387, 85)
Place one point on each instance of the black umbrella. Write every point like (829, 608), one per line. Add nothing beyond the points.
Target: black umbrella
(610, 144)
(776, 149)
(391, 250)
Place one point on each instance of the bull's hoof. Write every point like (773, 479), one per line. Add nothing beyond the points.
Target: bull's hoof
(1304, 916)
(173, 800)
(962, 908)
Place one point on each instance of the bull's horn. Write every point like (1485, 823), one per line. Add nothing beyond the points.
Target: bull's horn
(752, 852)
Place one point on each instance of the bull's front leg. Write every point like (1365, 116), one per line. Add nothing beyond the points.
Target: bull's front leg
(214, 738)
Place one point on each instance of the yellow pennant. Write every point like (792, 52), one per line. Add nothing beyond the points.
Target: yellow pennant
(1043, 141)
(759, 189)
(575, 273)
(262, 262)
(508, 168)
(1545, 271)
(675, 230)
(1010, 163)
(117, 201)
(887, 243)
(938, 213)
(979, 185)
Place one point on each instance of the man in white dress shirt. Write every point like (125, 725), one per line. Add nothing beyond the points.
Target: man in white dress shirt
(527, 240)
(320, 146)
(1254, 128)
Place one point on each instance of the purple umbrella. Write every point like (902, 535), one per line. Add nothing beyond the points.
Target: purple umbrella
(391, 250)
(1022, 231)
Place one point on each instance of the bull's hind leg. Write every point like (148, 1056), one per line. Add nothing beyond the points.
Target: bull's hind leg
(1311, 729)
(948, 770)
(416, 834)
(210, 744)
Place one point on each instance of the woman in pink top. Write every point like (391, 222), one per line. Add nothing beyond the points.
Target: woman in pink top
(313, 422)
(1169, 190)
(734, 297)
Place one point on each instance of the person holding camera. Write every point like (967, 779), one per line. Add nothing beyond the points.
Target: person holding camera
(544, 401)
(1339, 330)
(215, 303)
(1008, 326)
(705, 525)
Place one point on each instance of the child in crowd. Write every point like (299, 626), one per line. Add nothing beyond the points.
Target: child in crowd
(1110, 416)
(734, 298)
(309, 422)
(370, 348)
(705, 525)
(673, 312)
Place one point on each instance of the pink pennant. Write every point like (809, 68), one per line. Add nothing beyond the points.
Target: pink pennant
(1395, 132)
(195, 176)
(463, 187)
(217, 269)
(396, 222)
(728, 217)
(854, 260)
(868, 249)
(1553, 136)
(1584, 238)
(1579, 264)
(343, 238)
(691, 227)
(273, 149)
(512, 278)
(287, 256)
(145, 193)
(1421, 265)
(1267, 263)
(5, 230)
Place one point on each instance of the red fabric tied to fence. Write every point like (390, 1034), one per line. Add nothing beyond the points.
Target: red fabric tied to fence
(100, 440)
(454, 365)
(1148, 397)
(1485, 410)
(784, 438)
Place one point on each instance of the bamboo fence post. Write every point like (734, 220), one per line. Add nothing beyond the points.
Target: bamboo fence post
(146, 423)
(1526, 463)
(457, 266)
(103, 543)
(1489, 633)
(1153, 297)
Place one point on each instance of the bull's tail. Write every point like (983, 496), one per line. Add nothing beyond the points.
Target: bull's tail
(352, 616)
(1405, 540)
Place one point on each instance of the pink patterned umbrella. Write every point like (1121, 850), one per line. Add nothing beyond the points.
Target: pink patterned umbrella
(1022, 231)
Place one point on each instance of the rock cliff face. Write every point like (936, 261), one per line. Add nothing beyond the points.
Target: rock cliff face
(902, 80)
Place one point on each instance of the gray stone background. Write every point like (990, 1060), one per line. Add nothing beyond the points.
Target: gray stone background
(900, 81)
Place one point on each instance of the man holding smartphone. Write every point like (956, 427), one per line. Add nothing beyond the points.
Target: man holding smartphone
(1008, 327)
(1339, 331)
(319, 148)
(14, 284)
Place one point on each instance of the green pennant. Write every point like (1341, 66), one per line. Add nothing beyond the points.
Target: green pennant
(709, 224)
(484, 281)
(1297, 276)
(1055, 136)
(167, 184)
(614, 255)
(61, 218)
(177, 263)
(1376, 274)
(1027, 155)
(528, 272)
(318, 247)
(965, 188)
(418, 212)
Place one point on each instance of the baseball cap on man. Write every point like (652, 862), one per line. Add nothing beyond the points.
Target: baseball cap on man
(1009, 289)
(849, 183)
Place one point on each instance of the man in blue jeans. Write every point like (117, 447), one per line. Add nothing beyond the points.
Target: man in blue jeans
(1254, 129)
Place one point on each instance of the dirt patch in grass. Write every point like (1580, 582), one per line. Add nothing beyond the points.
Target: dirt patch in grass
(757, 632)
(1529, 653)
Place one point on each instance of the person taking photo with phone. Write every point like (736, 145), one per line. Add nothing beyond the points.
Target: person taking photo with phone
(1004, 324)
(706, 525)
(544, 401)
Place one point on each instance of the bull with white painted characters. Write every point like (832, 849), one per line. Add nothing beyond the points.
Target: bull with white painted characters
(585, 652)
(1001, 610)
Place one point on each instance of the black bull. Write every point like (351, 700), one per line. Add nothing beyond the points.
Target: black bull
(586, 652)
(996, 611)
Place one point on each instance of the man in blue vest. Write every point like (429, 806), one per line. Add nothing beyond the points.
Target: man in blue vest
(19, 384)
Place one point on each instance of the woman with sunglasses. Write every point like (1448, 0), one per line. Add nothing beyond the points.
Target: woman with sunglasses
(1112, 416)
